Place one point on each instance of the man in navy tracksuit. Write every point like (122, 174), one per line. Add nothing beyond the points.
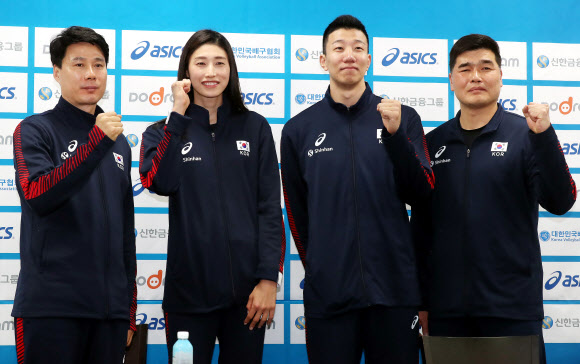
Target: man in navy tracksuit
(76, 295)
(349, 165)
(493, 168)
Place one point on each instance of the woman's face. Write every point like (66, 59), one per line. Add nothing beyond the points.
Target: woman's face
(209, 72)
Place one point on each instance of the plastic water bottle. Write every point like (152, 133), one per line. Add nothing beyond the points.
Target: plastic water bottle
(182, 349)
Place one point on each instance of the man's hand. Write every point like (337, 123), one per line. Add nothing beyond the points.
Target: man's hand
(110, 124)
(180, 90)
(537, 116)
(129, 337)
(261, 304)
(390, 111)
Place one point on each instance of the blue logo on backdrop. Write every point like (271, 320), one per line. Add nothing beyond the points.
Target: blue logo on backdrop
(7, 93)
(6, 232)
(547, 322)
(545, 235)
(133, 140)
(301, 54)
(135, 232)
(570, 148)
(300, 322)
(138, 188)
(554, 280)
(302, 283)
(543, 62)
(300, 99)
(508, 104)
(156, 51)
(45, 93)
(568, 281)
(154, 324)
(252, 98)
(408, 58)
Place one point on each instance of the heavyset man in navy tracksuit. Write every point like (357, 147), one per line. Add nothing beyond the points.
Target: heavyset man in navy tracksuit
(493, 168)
(76, 295)
(349, 165)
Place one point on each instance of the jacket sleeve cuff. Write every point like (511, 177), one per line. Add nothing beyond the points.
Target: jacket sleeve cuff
(177, 123)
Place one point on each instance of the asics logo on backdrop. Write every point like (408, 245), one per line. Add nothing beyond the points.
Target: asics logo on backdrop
(156, 51)
(408, 58)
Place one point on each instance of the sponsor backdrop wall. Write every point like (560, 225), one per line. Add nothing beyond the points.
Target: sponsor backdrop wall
(277, 48)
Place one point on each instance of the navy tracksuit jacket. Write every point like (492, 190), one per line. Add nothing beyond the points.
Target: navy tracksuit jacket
(346, 182)
(479, 231)
(77, 248)
(224, 206)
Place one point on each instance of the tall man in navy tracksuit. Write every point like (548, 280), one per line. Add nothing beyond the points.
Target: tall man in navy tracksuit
(349, 165)
(493, 168)
(76, 295)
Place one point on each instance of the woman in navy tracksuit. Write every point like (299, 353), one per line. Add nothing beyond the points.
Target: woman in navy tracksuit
(217, 163)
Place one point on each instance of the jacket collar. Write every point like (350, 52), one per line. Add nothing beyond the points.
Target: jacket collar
(490, 127)
(84, 117)
(201, 115)
(359, 105)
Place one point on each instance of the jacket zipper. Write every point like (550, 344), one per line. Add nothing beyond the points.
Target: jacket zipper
(362, 276)
(107, 260)
(465, 248)
(222, 207)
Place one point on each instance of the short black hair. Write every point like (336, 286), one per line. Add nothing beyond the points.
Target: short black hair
(473, 42)
(73, 35)
(343, 22)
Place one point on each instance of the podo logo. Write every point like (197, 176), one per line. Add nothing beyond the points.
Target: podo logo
(7, 93)
(154, 281)
(565, 107)
(409, 58)
(155, 323)
(252, 98)
(156, 52)
(156, 98)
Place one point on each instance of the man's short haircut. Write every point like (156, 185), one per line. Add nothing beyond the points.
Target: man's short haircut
(473, 42)
(72, 35)
(343, 22)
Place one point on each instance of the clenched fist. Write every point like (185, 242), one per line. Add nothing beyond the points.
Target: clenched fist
(390, 111)
(180, 90)
(537, 116)
(110, 124)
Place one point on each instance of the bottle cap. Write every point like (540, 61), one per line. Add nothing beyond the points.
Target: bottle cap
(183, 335)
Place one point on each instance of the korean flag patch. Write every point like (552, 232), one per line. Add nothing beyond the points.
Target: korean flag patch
(243, 145)
(119, 160)
(499, 147)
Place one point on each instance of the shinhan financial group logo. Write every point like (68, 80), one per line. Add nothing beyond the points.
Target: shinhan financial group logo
(133, 140)
(300, 323)
(45, 93)
(547, 323)
(301, 54)
(543, 61)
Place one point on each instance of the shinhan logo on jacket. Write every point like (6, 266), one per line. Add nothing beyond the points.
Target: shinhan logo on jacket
(317, 143)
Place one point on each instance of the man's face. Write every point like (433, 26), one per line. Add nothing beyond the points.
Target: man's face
(83, 76)
(347, 58)
(476, 79)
